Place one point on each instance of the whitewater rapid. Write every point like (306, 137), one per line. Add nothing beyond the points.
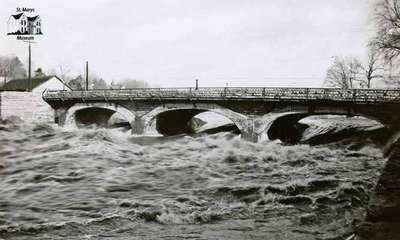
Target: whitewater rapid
(96, 183)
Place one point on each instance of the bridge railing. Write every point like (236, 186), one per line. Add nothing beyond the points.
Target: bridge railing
(359, 95)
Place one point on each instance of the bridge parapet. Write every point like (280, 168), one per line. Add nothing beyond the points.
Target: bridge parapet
(231, 93)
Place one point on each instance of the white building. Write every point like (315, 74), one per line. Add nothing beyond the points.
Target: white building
(15, 100)
(37, 84)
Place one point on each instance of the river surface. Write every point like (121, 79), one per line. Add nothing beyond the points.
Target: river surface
(96, 183)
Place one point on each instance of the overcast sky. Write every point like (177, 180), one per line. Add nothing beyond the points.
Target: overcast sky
(173, 42)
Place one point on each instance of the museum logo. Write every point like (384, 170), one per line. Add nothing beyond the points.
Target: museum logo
(25, 24)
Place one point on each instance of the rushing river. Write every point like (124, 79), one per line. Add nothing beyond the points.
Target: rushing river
(95, 183)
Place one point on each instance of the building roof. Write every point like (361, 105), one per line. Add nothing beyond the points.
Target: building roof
(32, 19)
(22, 84)
(17, 16)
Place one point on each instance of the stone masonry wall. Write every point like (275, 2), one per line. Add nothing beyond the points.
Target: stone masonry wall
(28, 106)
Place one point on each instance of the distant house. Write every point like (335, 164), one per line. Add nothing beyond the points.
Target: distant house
(39, 73)
(38, 84)
(22, 24)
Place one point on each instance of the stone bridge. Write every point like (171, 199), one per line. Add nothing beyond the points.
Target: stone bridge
(259, 113)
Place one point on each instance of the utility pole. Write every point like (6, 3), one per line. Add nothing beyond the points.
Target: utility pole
(29, 66)
(87, 75)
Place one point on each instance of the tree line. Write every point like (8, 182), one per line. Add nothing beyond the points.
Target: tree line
(383, 57)
(11, 67)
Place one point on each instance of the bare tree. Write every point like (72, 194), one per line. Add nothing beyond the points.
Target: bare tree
(387, 18)
(12, 67)
(343, 73)
(4, 70)
(373, 70)
(96, 82)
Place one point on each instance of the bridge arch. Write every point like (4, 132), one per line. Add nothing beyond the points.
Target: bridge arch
(102, 112)
(174, 118)
(286, 126)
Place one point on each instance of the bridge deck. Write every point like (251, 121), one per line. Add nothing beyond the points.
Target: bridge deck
(266, 94)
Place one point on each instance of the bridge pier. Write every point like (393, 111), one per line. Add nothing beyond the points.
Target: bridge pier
(250, 135)
(138, 125)
(60, 116)
(254, 130)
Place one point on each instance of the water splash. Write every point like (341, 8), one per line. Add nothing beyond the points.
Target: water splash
(99, 183)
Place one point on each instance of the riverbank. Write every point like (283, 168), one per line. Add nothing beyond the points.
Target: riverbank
(383, 214)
